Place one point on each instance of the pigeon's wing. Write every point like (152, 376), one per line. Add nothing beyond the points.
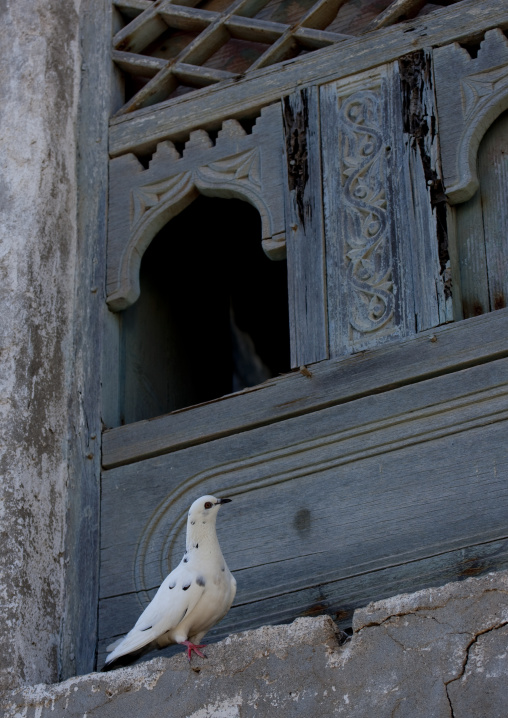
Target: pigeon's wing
(177, 595)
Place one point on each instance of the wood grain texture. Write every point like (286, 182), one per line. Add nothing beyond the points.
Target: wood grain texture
(472, 262)
(338, 598)
(422, 214)
(482, 225)
(384, 482)
(175, 119)
(442, 350)
(493, 179)
(305, 232)
(79, 622)
(112, 368)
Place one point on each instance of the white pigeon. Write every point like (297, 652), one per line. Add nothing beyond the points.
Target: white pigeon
(193, 598)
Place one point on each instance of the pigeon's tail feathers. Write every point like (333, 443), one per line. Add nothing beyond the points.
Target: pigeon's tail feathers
(113, 645)
(159, 616)
(136, 640)
(127, 658)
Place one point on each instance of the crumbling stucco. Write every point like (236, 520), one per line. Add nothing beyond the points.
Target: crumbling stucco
(39, 87)
(440, 652)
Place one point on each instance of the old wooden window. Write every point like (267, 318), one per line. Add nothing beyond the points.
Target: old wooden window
(211, 317)
(353, 129)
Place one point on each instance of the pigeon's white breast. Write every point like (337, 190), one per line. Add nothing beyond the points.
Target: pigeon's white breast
(218, 595)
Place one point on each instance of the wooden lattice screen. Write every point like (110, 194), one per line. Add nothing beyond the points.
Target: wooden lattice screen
(167, 48)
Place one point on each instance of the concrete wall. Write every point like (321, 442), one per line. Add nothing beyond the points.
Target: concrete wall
(440, 652)
(44, 361)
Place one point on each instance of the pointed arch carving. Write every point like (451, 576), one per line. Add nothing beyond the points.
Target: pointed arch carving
(471, 92)
(142, 201)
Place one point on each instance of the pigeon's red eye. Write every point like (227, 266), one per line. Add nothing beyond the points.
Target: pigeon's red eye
(208, 505)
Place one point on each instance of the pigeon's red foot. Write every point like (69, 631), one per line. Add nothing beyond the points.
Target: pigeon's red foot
(192, 647)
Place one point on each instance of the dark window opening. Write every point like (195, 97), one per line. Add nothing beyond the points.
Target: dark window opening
(212, 317)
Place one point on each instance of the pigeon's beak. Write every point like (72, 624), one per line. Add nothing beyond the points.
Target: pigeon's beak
(224, 501)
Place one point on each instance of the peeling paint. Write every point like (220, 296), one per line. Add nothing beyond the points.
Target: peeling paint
(227, 708)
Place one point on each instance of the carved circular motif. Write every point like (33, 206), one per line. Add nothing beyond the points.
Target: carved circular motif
(373, 228)
(354, 111)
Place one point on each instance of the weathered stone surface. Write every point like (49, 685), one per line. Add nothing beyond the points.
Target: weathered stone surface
(43, 355)
(438, 652)
(37, 208)
(482, 688)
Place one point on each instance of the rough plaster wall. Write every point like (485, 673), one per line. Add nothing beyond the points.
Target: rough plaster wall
(39, 87)
(441, 653)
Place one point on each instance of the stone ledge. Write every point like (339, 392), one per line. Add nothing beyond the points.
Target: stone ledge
(437, 652)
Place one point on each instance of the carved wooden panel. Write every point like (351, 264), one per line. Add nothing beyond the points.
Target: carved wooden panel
(471, 91)
(388, 264)
(363, 264)
(142, 201)
(330, 510)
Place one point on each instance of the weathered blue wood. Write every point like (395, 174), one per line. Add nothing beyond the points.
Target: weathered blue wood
(79, 622)
(441, 350)
(360, 589)
(482, 227)
(305, 229)
(387, 480)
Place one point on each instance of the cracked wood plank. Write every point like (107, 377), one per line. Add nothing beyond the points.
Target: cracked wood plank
(426, 204)
(304, 233)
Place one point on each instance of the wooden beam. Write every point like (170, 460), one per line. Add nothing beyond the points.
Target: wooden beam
(77, 641)
(431, 353)
(138, 64)
(393, 12)
(246, 28)
(174, 119)
(195, 75)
